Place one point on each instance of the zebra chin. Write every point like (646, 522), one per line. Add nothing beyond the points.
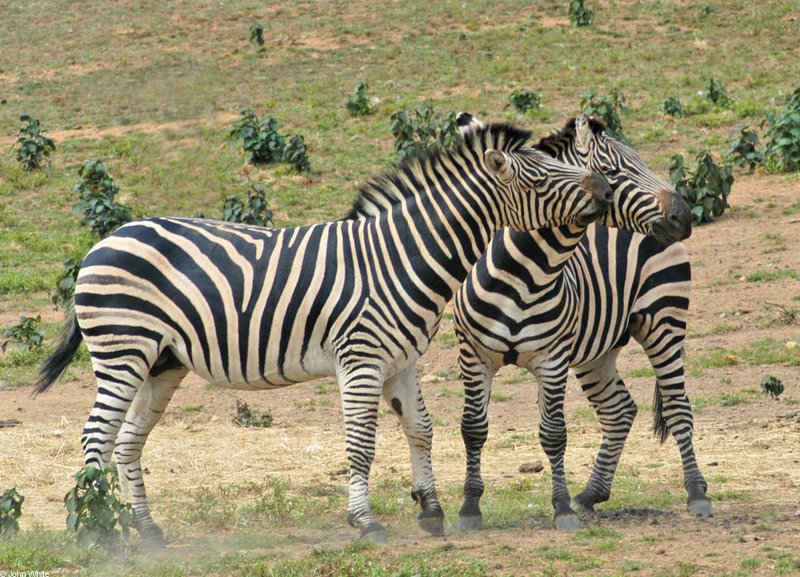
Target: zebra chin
(596, 215)
(668, 231)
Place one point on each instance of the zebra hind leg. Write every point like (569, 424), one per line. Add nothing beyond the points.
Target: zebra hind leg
(146, 410)
(672, 410)
(616, 411)
(404, 396)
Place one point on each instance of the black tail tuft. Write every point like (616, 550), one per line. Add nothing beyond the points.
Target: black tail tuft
(62, 356)
(659, 422)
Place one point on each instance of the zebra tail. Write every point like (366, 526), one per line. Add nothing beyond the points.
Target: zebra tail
(62, 356)
(660, 428)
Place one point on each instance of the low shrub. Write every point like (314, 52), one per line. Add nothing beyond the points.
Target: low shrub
(744, 148)
(782, 139)
(25, 334)
(10, 510)
(358, 104)
(579, 14)
(255, 211)
(94, 511)
(416, 130)
(33, 147)
(608, 108)
(524, 100)
(705, 188)
(96, 191)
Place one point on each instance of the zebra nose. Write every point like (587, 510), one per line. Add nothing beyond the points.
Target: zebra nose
(597, 185)
(680, 216)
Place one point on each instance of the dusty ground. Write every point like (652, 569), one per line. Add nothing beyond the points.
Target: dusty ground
(754, 446)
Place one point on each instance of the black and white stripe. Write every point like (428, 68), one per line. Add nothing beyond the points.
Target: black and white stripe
(256, 308)
(554, 299)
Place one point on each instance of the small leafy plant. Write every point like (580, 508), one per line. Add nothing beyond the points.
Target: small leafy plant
(10, 510)
(257, 36)
(261, 140)
(744, 148)
(62, 295)
(358, 104)
(295, 153)
(718, 94)
(579, 14)
(96, 191)
(256, 211)
(24, 334)
(417, 130)
(246, 417)
(782, 146)
(33, 146)
(705, 188)
(264, 144)
(94, 511)
(672, 107)
(524, 100)
(608, 108)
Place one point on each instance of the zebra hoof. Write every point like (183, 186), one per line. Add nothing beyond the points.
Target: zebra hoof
(701, 508)
(152, 539)
(373, 533)
(567, 523)
(471, 523)
(432, 525)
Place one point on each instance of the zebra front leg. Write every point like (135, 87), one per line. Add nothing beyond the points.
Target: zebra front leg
(474, 432)
(616, 411)
(146, 410)
(553, 437)
(404, 395)
(361, 393)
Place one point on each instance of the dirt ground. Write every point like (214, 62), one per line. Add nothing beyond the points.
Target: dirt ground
(754, 446)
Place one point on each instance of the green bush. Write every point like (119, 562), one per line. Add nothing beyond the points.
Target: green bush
(358, 104)
(744, 148)
(256, 211)
(705, 189)
(672, 107)
(524, 100)
(782, 139)
(417, 130)
(607, 108)
(10, 510)
(257, 36)
(33, 146)
(96, 191)
(295, 153)
(264, 144)
(62, 295)
(24, 334)
(579, 15)
(718, 94)
(246, 417)
(94, 510)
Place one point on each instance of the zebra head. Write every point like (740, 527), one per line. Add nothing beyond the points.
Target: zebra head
(643, 202)
(539, 191)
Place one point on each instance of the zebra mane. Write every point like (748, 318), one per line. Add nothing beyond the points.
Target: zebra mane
(391, 187)
(556, 141)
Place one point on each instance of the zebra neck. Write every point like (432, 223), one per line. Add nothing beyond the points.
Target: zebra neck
(434, 239)
(535, 260)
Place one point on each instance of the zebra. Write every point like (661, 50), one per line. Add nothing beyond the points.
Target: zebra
(257, 308)
(554, 299)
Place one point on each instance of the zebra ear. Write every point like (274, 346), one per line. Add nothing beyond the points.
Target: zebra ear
(467, 123)
(583, 133)
(497, 162)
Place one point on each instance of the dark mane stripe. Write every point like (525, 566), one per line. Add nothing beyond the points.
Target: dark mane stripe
(554, 141)
(390, 187)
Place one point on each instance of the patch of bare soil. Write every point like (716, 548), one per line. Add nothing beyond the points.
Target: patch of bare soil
(749, 451)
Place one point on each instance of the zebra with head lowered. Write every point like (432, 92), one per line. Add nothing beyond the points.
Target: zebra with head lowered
(256, 308)
(554, 299)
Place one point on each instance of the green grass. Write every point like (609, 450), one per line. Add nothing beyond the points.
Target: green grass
(772, 274)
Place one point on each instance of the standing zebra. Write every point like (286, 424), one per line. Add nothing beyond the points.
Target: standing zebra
(255, 308)
(554, 299)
